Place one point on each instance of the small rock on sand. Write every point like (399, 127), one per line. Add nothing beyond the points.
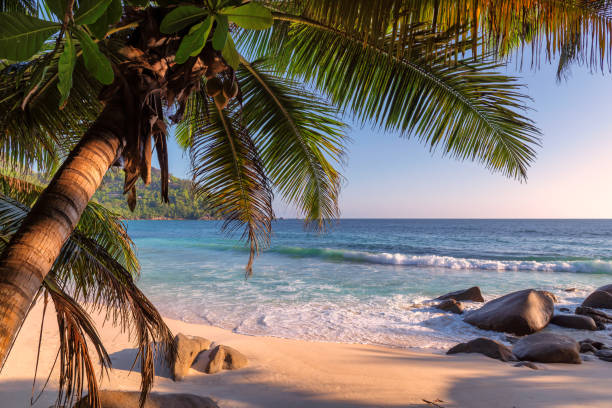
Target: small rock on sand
(224, 357)
(488, 347)
(472, 294)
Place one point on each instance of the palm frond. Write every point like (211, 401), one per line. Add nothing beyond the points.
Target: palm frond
(498, 26)
(40, 134)
(228, 174)
(96, 266)
(465, 109)
(299, 139)
(75, 328)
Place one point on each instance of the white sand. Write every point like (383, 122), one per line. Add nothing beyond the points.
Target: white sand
(293, 373)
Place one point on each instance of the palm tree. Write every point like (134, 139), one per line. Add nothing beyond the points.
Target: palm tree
(258, 90)
(96, 267)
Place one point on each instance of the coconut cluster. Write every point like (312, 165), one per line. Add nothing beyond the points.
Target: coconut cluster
(222, 91)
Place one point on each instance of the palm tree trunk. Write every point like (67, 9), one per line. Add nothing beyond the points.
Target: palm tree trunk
(33, 249)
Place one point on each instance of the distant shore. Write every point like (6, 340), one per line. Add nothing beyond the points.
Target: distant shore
(294, 373)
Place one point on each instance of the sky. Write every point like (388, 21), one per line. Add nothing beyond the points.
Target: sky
(391, 177)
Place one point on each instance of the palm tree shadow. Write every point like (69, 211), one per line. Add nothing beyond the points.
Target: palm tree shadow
(128, 360)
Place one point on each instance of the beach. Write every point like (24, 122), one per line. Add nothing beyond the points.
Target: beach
(297, 373)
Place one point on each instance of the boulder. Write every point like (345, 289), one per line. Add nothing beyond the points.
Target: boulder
(527, 364)
(450, 305)
(473, 294)
(488, 347)
(604, 354)
(587, 348)
(600, 299)
(606, 288)
(520, 313)
(188, 348)
(570, 289)
(596, 344)
(548, 348)
(550, 295)
(575, 322)
(224, 357)
(601, 318)
(130, 399)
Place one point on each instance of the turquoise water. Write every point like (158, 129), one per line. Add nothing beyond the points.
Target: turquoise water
(366, 281)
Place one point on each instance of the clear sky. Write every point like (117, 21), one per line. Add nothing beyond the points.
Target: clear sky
(390, 177)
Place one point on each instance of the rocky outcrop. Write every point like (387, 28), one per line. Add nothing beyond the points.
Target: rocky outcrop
(601, 318)
(471, 294)
(575, 322)
(130, 399)
(488, 347)
(600, 299)
(188, 348)
(227, 358)
(522, 312)
(604, 354)
(548, 348)
(450, 305)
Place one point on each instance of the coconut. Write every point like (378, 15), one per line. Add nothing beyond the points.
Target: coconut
(213, 86)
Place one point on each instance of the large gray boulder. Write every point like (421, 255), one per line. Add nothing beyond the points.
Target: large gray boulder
(548, 348)
(606, 288)
(522, 312)
(575, 322)
(131, 399)
(473, 294)
(488, 347)
(600, 299)
(188, 348)
(225, 358)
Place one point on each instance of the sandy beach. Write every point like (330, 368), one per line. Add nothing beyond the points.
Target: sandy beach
(293, 373)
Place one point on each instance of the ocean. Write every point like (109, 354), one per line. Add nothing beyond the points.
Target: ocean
(367, 281)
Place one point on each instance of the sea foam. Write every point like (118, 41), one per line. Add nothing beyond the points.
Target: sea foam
(437, 261)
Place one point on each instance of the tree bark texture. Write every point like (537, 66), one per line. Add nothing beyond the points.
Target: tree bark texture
(32, 251)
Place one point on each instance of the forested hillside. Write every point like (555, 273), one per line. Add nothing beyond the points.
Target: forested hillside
(149, 205)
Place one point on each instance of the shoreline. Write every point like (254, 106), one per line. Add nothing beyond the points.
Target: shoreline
(297, 373)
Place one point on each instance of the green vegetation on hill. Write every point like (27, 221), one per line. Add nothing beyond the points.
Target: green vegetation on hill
(149, 204)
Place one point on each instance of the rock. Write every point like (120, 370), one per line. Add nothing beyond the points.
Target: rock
(606, 288)
(550, 295)
(224, 357)
(450, 305)
(130, 399)
(548, 348)
(597, 344)
(604, 354)
(564, 309)
(600, 299)
(473, 294)
(600, 317)
(522, 312)
(527, 364)
(574, 322)
(188, 348)
(570, 289)
(488, 347)
(511, 339)
(587, 348)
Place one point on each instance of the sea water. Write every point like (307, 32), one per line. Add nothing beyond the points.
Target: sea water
(367, 281)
